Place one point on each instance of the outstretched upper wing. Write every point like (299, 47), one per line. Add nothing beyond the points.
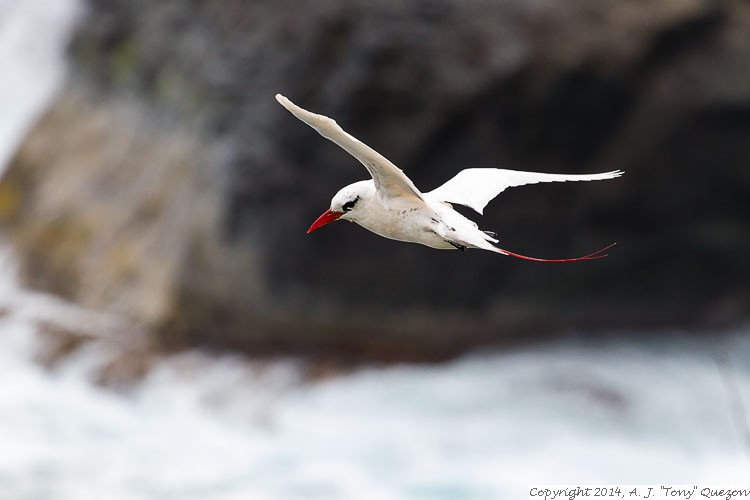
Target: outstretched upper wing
(391, 183)
(475, 187)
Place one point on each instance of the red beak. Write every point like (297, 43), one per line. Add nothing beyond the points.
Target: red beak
(328, 216)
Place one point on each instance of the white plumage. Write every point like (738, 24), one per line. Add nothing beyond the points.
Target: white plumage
(391, 205)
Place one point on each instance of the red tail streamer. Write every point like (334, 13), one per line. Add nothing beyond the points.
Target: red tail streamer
(592, 256)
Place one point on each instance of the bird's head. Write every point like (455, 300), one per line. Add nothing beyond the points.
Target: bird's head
(345, 205)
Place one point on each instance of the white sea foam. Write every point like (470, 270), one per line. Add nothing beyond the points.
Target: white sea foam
(482, 427)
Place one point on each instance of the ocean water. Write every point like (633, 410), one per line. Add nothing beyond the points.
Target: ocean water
(483, 427)
(663, 408)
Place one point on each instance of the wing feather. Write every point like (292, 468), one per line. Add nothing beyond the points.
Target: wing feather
(476, 187)
(392, 185)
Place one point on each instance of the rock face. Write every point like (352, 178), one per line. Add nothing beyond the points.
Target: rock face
(167, 184)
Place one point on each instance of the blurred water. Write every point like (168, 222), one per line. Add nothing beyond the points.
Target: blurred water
(486, 426)
(482, 427)
(32, 40)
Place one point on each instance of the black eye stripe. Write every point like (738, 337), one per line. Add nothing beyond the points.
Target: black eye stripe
(349, 204)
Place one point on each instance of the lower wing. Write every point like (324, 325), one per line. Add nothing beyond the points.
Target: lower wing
(476, 187)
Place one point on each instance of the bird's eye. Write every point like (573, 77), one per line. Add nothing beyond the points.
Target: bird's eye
(349, 204)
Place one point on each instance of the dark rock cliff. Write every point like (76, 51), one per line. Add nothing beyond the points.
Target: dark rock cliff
(167, 184)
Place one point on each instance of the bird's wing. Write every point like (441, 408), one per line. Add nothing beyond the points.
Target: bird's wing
(475, 187)
(393, 186)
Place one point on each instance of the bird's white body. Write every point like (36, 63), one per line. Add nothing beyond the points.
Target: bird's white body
(434, 224)
(402, 224)
(390, 205)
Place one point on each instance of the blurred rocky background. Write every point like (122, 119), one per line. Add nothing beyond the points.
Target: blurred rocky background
(166, 184)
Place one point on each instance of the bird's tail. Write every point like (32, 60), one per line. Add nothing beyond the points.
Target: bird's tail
(592, 256)
(487, 240)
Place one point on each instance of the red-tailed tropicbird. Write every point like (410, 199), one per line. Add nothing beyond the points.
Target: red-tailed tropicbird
(390, 205)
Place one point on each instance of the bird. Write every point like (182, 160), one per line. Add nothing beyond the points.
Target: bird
(390, 205)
